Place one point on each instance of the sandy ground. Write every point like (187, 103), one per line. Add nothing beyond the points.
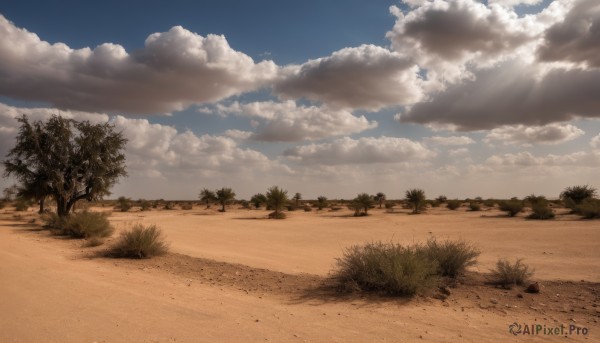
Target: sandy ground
(52, 291)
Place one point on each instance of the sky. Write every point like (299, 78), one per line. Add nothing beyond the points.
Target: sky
(464, 98)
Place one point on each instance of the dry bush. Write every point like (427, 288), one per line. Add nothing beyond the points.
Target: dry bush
(589, 209)
(453, 204)
(508, 275)
(451, 257)
(541, 211)
(474, 206)
(512, 207)
(140, 242)
(86, 225)
(386, 267)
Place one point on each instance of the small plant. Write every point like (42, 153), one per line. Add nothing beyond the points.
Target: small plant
(321, 202)
(474, 206)
(277, 215)
(307, 208)
(386, 267)
(140, 242)
(168, 206)
(589, 209)
(361, 204)
(86, 225)
(416, 197)
(186, 206)
(541, 211)
(145, 205)
(124, 204)
(453, 204)
(578, 193)
(277, 199)
(389, 205)
(489, 203)
(452, 257)
(441, 199)
(508, 275)
(94, 242)
(53, 221)
(512, 207)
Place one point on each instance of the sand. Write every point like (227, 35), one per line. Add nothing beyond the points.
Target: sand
(52, 290)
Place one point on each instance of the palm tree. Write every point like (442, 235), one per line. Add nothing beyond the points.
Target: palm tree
(297, 197)
(258, 199)
(416, 197)
(277, 198)
(321, 202)
(362, 202)
(207, 196)
(225, 196)
(380, 198)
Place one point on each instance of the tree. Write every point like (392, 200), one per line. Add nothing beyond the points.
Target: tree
(276, 198)
(362, 202)
(224, 197)
(416, 197)
(258, 199)
(321, 202)
(578, 193)
(76, 159)
(37, 189)
(297, 197)
(207, 196)
(380, 198)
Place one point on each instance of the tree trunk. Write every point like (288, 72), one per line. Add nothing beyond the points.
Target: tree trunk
(42, 204)
(223, 210)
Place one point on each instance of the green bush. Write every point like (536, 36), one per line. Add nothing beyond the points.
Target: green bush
(541, 211)
(452, 257)
(507, 274)
(474, 206)
(453, 204)
(589, 209)
(386, 267)
(86, 225)
(512, 207)
(124, 204)
(140, 242)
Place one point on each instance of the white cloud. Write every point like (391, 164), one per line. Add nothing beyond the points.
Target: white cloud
(548, 134)
(364, 150)
(595, 142)
(366, 77)
(173, 70)
(512, 3)
(576, 38)
(526, 159)
(512, 93)
(452, 140)
(238, 134)
(286, 121)
(458, 152)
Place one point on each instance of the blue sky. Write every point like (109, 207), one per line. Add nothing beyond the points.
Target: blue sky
(460, 97)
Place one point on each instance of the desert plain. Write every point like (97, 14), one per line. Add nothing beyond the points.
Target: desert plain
(239, 277)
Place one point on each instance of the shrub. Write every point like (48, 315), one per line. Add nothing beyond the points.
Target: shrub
(589, 209)
(277, 215)
(389, 205)
(186, 207)
(53, 221)
(474, 206)
(321, 202)
(452, 257)
(258, 199)
(307, 208)
(145, 205)
(21, 205)
(124, 204)
(94, 242)
(385, 267)
(489, 203)
(533, 199)
(168, 206)
(507, 274)
(86, 225)
(541, 211)
(361, 204)
(416, 198)
(292, 207)
(140, 242)
(453, 204)
(435, 203)
(578, 193)
(441, 199)
(512, 207)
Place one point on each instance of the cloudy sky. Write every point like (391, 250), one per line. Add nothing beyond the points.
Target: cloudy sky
(465, 98)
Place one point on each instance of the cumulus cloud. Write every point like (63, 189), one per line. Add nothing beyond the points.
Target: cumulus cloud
(511, 94)
(595, 142)
(451, 140)
(364, 150)
(366, 77)
(444, 35)
(173, 70)
(514, 2)
(288, 122)
(525, 159)
(548, 134)
(576, 38)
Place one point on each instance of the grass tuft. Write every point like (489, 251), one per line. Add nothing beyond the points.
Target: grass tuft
(508, 275)
(140, 242)
(451, 257)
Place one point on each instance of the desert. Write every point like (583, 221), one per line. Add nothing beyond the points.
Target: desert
(238, 276)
